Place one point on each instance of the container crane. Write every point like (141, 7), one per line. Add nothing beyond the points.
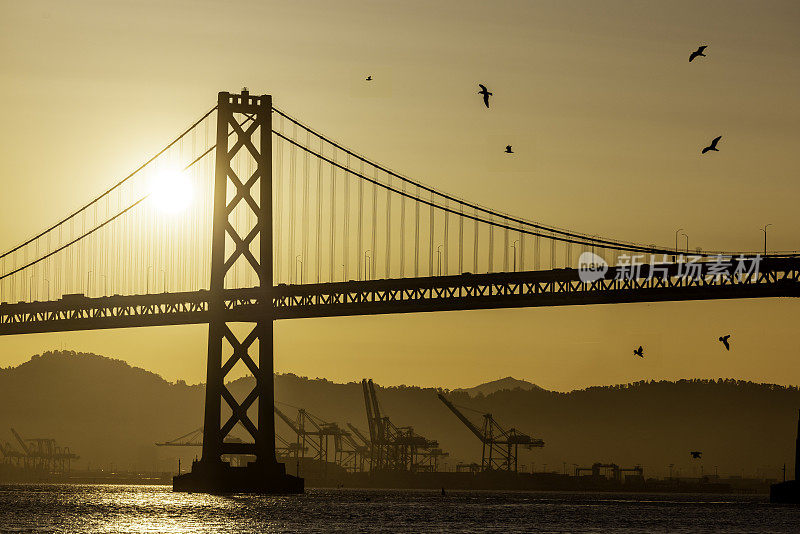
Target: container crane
(500, 446)
(195, 439)
(315, 434)
(190, 439)
(44, 454)
(394, 447)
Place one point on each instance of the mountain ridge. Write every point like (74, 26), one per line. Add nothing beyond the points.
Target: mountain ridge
(501, 384)
(109, 412)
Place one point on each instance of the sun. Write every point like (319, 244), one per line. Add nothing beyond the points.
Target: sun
(171, 191)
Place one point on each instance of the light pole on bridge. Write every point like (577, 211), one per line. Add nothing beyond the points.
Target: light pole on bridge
(687, 242)
(514, 246)
(367, 262)
(298, 259)
(675, 258)
(764, 229)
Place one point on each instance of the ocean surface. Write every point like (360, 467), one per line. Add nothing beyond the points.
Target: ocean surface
(100, 508)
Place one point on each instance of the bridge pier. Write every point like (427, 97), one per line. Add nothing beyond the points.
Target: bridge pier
(244, 131)
(221, 477)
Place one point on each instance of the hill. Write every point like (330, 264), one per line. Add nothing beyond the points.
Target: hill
(109, 412)
(507, 383)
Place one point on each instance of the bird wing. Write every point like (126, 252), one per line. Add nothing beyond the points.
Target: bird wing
(701, 49)
(486, 99)
(692, 56)
(483, 88)
(715, 141)
(706, 149)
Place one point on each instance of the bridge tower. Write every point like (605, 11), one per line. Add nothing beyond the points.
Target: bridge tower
(244, 131)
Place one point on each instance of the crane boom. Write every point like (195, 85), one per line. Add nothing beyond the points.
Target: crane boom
(375, 406)
(193, 436)
(287, 420)
(358, 433)
(21, 442)
(368, 403)
(475, 430)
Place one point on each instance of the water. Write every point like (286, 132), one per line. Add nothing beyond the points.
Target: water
(99, 508)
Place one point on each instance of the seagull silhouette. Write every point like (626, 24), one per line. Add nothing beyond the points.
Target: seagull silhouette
(696, 454)
(713, 145)
(639, 352)
(369, 78)
(486, 94)
(508, 149)
(724, 340)
(698, 52)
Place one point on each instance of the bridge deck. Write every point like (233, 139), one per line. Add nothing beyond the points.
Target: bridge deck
(560, 287)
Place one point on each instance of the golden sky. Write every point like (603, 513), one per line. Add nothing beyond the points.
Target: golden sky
(605, 113)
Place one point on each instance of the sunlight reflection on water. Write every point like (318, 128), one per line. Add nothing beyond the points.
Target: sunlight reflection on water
(150, 509)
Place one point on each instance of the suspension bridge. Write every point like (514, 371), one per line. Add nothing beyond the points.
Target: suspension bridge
(250, 216)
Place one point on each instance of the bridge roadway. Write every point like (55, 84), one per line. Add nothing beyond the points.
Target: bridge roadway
(776, 277)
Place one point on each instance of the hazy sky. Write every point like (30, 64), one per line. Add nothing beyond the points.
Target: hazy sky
(605, 113)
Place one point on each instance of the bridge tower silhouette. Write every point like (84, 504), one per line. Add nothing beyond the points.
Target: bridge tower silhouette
(229, 246)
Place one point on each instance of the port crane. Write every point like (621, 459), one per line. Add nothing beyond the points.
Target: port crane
(190, 439)
(617, 472)
(363, 445)
(44, 454)
(195, 439)
(500, 446)
(396, 447)
(314, 434)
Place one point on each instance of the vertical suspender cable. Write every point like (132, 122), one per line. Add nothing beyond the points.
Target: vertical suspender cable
(317, 256)
(402, 230)
(362, 275)
(346, 225)
(278, 245)
(460, 239)
(292, 250)
(491, 244)
(416, 235)
(306, 178)
(475, 246)
(432, 227)
(388, 226)
(333, 217)
(506, 246)
(446, 241)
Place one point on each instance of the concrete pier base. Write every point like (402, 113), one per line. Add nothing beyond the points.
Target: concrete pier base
(785, 492)
(220, 477)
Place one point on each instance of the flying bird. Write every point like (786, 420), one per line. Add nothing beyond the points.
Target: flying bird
(713, 145)
(369, 78)
(508, 149)
(696, 454)
(698, 52)
(486, 94)
(724, 340)
(639, 352)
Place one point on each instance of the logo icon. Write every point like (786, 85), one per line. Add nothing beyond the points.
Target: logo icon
(591, 267)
